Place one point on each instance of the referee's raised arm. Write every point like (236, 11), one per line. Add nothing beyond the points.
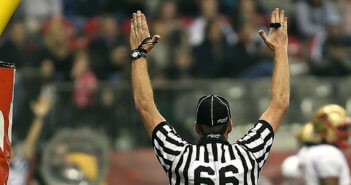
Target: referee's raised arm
(277, 40)
(141, 42)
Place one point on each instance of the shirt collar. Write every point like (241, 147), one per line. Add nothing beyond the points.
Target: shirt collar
(213, 138)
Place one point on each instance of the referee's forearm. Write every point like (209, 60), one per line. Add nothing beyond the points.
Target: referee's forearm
(280, 90)
(142, 89)
(143, 96)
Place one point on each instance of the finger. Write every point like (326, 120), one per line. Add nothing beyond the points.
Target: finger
(273, 17)
(135, 24)
(263, 35)
(285, 23)
(277, 15)
(155, 38)
(140, 30)
(145, 26)
(132, 31)
(281, 16)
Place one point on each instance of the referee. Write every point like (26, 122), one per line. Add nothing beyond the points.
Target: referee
(213, 160)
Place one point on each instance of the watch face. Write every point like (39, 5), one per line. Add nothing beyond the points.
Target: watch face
(135, 54)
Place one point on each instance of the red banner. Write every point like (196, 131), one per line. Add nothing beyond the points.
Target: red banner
(7, 78)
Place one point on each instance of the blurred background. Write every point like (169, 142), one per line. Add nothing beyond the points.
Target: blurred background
(74, 116)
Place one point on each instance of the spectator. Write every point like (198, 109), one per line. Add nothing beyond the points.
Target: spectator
(168, 25)
(209, 11)
(37, 11)
(335, 59)
(118, 68)
(17, 48)
(81, 8)
(101, 47)
(85, 82)
(56, 48)
(182, 66)
(213, 52)
(247, 59)
(248, 11)
(312, 16)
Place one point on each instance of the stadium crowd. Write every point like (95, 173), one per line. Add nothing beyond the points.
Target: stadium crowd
(86, 42)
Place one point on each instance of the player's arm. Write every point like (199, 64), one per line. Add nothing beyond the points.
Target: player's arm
(277, 40)
(329, 181)
(142, 90)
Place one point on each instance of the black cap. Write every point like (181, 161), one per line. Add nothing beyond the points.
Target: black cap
(212, 110)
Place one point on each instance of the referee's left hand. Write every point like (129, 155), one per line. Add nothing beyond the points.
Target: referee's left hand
(139, 31)
(277, 38)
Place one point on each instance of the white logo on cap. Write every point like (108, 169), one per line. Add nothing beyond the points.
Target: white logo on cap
(224, 120)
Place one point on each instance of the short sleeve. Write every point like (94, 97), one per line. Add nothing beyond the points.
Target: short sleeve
(167, 144)
(258, 141)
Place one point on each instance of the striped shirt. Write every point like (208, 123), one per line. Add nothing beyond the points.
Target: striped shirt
(213, 160)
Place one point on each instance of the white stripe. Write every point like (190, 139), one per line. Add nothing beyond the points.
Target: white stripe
(264, 150)
(181, 169)
(212, 110)
(2, 128)
(248, 164)
(255, 143)
(163, 153)
(197, 111)
(202, 153)
(226, 153)
(160, 158)
(223, 104)
(9, 130)
(167, 144)
(210, 152)
(171, 133)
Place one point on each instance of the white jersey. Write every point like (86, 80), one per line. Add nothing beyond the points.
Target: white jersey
(290, 167)
(323, 161)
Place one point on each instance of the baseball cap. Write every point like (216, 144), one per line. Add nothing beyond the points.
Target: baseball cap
(212, 110)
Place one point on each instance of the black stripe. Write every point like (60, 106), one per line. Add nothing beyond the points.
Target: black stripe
(231, 152)
(170, 139)
(265, 152)
(261, 146)
(159, 155)
(157, 128)
(206, 154)
(176, 170)
(214, 151)
(243, 161)
(165, 149)
(187, 164)
(269, 126)
(252, 161)
(251, 138)
(257, 148)
(223, 154)
(197, 153)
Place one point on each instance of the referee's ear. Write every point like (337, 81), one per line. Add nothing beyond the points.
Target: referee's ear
(197, 129)
(229, 129)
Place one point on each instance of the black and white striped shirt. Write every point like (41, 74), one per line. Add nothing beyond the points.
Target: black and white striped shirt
(213, 160)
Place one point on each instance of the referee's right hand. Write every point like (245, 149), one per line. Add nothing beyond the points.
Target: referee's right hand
(277, 37)
(139, 31)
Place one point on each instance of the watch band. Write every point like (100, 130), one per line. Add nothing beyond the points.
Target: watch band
(138, 53)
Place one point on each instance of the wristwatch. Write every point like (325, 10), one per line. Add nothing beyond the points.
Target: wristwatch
(137, 53)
